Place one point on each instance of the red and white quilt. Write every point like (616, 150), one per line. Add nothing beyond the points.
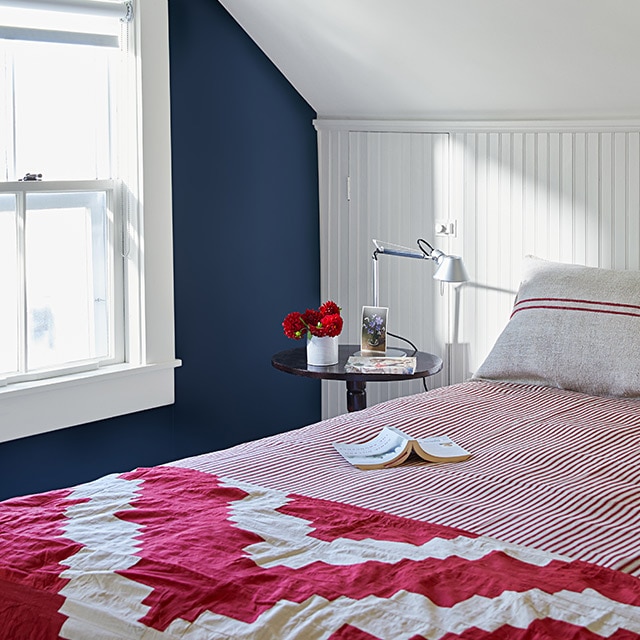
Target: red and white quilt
(173, 552)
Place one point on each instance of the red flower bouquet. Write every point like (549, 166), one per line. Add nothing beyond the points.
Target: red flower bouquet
(322, 322)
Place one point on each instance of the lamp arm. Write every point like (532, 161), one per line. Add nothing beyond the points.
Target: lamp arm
(398, 250)
(391, 250)
(452, 266)
(409, 253)
(403, 252)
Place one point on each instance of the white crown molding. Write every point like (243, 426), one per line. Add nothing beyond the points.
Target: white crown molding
(479, 126)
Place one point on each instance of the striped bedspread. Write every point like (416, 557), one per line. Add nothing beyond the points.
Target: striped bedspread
(536, 536)
(553, 469)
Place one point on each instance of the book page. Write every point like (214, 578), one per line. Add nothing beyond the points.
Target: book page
(384, 448)
(441, 448)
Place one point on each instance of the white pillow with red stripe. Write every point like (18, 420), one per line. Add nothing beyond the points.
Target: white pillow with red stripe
(572, 327)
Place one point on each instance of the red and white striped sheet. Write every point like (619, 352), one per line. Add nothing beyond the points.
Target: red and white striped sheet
(551, 469)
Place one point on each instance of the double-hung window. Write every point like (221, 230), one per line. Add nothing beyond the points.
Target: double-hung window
(83, 169)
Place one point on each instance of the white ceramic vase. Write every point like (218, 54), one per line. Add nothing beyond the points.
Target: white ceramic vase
(322, 352)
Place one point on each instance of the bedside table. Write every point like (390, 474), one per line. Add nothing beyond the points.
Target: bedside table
(294, 361)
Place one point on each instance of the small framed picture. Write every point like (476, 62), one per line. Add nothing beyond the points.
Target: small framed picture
(374, 330)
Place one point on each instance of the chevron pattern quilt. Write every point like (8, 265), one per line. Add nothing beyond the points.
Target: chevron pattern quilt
(172, 552)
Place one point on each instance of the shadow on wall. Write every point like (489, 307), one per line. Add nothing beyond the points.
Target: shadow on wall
(458, 359)
(568, 196)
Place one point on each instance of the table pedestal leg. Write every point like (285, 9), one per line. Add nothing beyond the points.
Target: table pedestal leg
(356, 395)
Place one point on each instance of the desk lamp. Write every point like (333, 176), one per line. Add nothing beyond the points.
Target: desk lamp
(450, 268)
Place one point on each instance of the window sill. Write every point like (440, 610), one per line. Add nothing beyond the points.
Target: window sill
(30, 408)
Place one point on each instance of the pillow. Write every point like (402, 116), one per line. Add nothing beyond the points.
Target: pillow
(572, 327)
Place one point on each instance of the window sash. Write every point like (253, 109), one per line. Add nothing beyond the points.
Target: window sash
(114, 269)
(93, 112)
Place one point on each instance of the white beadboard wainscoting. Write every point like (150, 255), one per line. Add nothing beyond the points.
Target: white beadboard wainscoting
(562, 191)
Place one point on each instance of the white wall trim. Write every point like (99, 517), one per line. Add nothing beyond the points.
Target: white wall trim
(56, 403)
(158, 343)
(478, 126)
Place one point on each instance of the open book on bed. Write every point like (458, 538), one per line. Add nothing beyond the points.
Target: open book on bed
(392, 447)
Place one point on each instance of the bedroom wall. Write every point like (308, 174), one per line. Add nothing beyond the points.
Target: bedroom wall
(565, 191)
(246, 253)
(569, 193)
(398, 188)
(541, 144)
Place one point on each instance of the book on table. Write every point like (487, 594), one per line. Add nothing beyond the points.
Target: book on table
(391, 447)
(403, 365)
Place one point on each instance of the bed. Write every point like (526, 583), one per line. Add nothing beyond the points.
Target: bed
(537, 535)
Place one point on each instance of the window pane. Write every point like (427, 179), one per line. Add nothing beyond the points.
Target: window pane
(61, 110)
(68, 293)
(9, 344)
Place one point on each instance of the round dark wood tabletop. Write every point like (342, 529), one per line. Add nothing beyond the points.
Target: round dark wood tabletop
(294, 361)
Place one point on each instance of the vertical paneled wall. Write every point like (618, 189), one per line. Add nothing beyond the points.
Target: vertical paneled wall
(568, 196)
(391, 187)
(561, 192)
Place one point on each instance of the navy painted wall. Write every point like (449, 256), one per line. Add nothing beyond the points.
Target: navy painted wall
(246, 253)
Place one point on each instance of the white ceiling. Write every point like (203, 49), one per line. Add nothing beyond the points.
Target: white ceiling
(453, 59)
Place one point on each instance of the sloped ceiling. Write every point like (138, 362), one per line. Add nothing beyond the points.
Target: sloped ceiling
(453, 59)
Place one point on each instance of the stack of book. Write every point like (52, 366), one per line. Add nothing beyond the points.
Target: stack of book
(405, 365)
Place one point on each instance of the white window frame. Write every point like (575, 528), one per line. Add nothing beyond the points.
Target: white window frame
(146, 379)
(113, 197)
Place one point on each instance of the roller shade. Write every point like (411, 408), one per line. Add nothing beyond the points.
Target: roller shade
(87, 22)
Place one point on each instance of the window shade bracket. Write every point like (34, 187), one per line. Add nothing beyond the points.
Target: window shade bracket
(128, 17)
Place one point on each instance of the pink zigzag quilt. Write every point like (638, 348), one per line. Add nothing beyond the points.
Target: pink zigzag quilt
(169, 552)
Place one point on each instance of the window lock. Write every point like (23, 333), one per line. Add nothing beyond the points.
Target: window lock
(31, 177)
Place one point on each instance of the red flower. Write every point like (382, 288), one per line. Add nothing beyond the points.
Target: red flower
(293, 326)
(332, 323)
(325, 321)
(311, 317)
(329, 308)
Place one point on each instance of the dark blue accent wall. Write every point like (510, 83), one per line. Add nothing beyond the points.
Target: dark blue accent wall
(245, 195)
(246, 240)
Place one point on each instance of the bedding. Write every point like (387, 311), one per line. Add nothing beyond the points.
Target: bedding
(536, 536)
(572, 327)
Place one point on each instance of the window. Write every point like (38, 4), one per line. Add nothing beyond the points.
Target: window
(61, 288)
(83, 171)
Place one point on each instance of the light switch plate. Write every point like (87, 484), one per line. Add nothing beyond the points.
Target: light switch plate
(446, 228)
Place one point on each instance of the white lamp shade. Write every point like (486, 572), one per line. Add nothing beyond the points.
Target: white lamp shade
(451, 269)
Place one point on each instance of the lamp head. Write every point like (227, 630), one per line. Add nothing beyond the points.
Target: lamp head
(450, 268)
